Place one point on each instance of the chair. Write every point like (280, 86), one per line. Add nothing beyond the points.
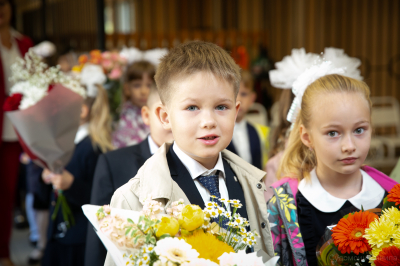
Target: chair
(386, 114)
(257, 114)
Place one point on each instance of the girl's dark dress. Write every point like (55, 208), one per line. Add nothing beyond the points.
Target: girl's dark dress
(313, 221)
(66, 247)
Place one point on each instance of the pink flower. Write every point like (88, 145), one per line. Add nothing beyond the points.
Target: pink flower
(106, 55)
(116, 73)
(107, 209)
(107, 64)
(115, 56)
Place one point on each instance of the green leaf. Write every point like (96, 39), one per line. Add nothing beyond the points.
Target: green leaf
(127, 231)
(130, 221)
(388, 205)
(133, 232)
(164, 236)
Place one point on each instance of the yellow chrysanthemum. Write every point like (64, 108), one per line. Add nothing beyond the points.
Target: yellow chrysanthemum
(208, 246)
(381, 232)
(392, 214)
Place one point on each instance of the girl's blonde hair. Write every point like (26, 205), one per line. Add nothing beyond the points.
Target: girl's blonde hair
(99, 120)
(298, 160)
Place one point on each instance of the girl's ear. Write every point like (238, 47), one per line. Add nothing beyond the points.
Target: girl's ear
(305, 136)
(162, 114)
(84, 112)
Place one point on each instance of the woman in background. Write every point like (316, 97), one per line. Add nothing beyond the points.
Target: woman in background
(13, 45)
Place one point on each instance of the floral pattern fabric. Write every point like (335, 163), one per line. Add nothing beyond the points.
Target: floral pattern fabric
(286, 235)
(131, 128)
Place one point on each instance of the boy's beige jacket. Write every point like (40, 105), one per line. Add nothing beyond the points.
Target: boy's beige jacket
(154, 178)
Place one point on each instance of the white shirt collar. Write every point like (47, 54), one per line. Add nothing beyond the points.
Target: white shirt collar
(83, 132)
(153, 146)
(370, 196)
(241, 125)
(194, 168)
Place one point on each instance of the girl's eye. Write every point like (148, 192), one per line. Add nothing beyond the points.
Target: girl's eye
(333, 134)
(221, 107)
(192, 108)
(359, 130)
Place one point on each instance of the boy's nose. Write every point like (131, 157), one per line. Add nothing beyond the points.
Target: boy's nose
(208, 121)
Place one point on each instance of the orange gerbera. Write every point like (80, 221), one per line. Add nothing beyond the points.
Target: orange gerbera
(348, 233)
(394, 194)
(389, 256)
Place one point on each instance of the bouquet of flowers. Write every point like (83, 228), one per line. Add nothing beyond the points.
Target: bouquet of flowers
(44, 108)
(185, 235)
(113, 66)
(364, 238)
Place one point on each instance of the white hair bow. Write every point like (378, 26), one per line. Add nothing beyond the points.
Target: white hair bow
(134, 54)
(90, 76)
(291, 67)
(334, 61)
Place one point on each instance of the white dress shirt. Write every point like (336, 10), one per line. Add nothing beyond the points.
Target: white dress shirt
(9, 57)
(370, 196)
(83, 132)
(152, 145)
(241, 140)
(195, 170)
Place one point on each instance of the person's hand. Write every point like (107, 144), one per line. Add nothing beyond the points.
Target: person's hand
(46, 176)
(60, 181)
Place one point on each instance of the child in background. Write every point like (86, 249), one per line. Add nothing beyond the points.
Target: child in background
(117, 167)
(278, 141)
(322, 165)
(249, 141)
(131, 129)
(198, 84)
(66, 246)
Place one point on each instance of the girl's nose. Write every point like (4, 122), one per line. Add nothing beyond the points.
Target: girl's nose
(348, 145)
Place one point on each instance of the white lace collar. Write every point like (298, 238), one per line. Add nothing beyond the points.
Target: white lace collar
(83, 132)
(370, 196)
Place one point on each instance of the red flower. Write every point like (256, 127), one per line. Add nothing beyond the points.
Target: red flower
(12, 103)
(348, 234)
(51, 86)
(389, 256)
(394, 195)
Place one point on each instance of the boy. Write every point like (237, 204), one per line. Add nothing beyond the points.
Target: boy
(115, 168)
(198, 84)
(249, 141)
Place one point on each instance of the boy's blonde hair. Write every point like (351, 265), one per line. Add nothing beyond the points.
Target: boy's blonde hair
(192, 57)
(298, 160)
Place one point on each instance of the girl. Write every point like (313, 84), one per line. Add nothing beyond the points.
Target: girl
(323, 166)
(131, 128)
(66, 246)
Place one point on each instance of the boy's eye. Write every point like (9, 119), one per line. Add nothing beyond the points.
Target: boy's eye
(333, 134)
(359, 130)
(192, 108)
(221, 107)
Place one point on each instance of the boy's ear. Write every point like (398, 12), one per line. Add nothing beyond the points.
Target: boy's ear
(146, 115)
(237, 108)
(161, 113)
(253, 96)
(305, 136)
